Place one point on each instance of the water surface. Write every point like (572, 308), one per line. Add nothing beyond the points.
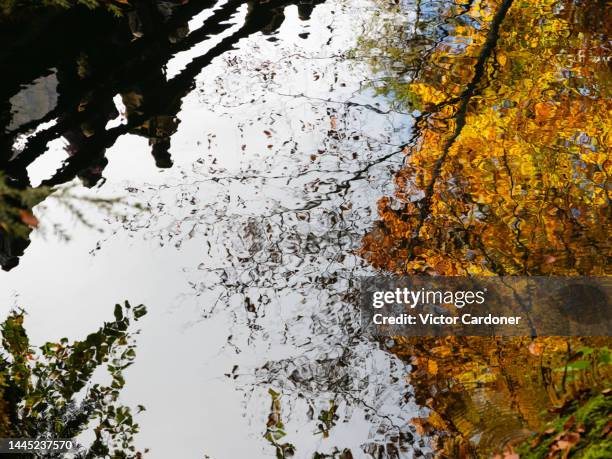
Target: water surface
(270, 151)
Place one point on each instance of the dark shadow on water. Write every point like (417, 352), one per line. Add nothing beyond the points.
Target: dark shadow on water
(64, 69)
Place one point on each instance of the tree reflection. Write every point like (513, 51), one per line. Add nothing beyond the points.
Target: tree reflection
(275, 239)
(77, 75)
(50, 392)
(508, 170)
(507, 173)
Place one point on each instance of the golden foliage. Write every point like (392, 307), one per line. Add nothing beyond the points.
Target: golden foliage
(509, 169)
(508, 173)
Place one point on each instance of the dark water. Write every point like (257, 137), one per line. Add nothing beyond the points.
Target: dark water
(72, 82)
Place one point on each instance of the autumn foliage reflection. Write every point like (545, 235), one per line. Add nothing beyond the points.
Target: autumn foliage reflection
(507, 173)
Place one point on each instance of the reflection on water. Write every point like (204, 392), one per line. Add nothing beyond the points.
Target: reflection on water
(276, 152)
(48, 393)
(276, 220)
(275, 129)
(73, 85)
(509, 164)
(507, 173)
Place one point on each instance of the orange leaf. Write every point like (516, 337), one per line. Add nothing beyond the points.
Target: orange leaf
(28, 218)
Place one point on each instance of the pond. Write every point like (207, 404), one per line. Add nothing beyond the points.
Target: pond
(244, 250)
(238, 166)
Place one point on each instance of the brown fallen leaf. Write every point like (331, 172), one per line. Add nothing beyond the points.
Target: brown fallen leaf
(28, 218)
(563, 443)
(535, 442)
(560, 408)
(607, 429)
(569, 423)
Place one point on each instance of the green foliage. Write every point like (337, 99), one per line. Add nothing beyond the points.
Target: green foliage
(275, 429)
(13, 201)
(49, 392)
(328, 419)
(581, 430)
(585, 366)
